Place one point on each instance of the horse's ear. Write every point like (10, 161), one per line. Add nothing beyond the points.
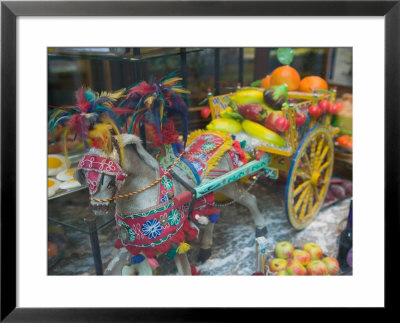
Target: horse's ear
(135, 142)
(118, 146)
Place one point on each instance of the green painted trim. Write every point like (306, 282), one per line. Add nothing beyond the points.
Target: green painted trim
(232, 176)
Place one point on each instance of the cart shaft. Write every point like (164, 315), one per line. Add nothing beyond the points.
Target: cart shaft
(233, 176)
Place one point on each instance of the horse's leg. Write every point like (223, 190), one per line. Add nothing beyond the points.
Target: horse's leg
(206, 243)
(182, 264)
(240, 195)
(121, 257)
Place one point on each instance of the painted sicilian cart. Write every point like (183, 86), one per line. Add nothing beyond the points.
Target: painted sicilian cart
(294, 130)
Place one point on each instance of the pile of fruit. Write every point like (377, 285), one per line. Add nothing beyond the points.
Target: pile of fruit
(345, 141)
(309, 260)
(257, 110)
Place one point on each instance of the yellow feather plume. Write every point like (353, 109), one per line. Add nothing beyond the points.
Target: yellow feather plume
(111, 123)
(180, 90)
(172, 80)
(114, 96)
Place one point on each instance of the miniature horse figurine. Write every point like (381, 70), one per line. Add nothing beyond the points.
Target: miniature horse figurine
(143, 188)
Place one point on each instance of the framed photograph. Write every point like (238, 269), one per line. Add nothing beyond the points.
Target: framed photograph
(364, 57)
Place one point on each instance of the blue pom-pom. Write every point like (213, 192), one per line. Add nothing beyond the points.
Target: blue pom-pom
(213, 218)
(137, 259)
(233, 137)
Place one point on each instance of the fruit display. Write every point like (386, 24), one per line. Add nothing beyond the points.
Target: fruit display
(313, 249)
(284, 250)
(225, 125)
(252, 111)
(286, 74)
(288, 260)
(345, 141)
(338, 190)
(276, 96)
(309, 84)
(256, 130)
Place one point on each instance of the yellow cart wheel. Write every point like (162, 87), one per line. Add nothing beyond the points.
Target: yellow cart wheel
(309, 176)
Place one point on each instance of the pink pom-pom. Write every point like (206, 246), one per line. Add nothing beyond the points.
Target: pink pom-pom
(153, 263)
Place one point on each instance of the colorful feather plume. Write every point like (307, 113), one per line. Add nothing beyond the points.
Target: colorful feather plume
(155, 101)
(92, 115)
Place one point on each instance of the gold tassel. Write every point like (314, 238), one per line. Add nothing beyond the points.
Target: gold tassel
(221, 150)
(183, 247)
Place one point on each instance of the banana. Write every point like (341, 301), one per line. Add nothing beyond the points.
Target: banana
(248, 95)
(258, 131)
(225, 125)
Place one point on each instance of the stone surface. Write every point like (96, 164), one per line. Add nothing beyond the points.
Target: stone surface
(234, 249)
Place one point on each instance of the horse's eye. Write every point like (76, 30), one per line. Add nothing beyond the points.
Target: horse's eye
(111, 184)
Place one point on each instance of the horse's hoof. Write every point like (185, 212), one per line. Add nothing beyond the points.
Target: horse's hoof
(261, 232)
(204, 254)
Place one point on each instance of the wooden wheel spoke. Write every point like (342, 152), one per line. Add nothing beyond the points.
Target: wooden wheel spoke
(322, 168)
(315, 191)
(303, 175)
(318, 152)
(322, 156)
(312, 153)
(300, 188)
(307, 163)
(304, 204)
(301, 199)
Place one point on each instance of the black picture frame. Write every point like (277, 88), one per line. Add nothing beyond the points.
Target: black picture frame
(11, 10)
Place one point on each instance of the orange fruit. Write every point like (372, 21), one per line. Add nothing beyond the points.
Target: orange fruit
(266, 82)
(311, 83)
(286, 74)
(52, 249)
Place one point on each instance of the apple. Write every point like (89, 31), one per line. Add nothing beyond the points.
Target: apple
(282, 273)
(205, 112)
(295, 268)
(277, 264)
(324, 105)
(284, 250)
(332, 264)
(314, 111)
(313, 249)
(302, 256)
(317, 268)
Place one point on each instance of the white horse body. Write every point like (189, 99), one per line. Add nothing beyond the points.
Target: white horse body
(142, 170)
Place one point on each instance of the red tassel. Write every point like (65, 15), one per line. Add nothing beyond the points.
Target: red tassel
(194, 271)
(192, 234)
(118, 244)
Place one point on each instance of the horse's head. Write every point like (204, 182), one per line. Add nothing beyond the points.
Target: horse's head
(103, 173)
